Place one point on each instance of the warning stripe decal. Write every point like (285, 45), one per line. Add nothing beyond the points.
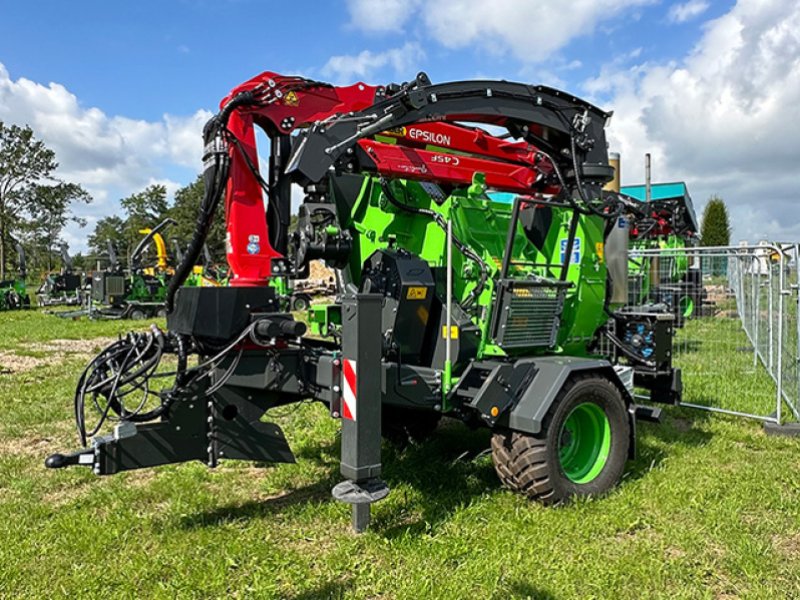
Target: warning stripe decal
(349, 389)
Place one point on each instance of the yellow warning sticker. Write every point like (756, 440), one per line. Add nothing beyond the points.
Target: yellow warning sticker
(598, 248)
(291, 99)
(417, 293)
(453, 332)
(395, 132)
(522, 292)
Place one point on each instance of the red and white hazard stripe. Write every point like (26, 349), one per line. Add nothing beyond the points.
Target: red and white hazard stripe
(349, 389)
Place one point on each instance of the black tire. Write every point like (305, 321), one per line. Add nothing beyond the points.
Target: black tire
(400, 425)
(137, 314)
(161, 313)
(301, 302)
(531, 465)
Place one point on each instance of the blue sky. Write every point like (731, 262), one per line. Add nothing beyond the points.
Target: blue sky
(120, 89)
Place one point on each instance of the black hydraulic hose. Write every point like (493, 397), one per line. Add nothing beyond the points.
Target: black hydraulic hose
(215, 177)
(439, 220)
(137, 253)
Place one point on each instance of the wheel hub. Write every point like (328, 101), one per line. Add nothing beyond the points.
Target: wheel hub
(584, 443)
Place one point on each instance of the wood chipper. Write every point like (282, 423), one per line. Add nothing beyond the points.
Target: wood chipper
(451, 302)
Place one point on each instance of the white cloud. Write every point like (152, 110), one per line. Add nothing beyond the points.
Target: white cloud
(530, 30)
(682, 12)
(347, 68)
(726, 118)
(380, 16)
(111, 156)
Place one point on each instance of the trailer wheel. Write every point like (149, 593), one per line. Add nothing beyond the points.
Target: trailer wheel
(137, 314)
(581, 450)
(301, 302)
(161, 313)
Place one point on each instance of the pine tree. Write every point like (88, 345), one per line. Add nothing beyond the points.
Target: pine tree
(716, 229)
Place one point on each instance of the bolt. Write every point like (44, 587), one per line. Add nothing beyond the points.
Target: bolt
(437, 407)
(177, 428)
(335, 414)
(337, 389)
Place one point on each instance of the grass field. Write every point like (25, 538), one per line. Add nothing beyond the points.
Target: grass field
(709, 509)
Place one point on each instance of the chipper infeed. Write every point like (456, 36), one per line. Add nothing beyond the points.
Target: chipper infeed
(451, 302)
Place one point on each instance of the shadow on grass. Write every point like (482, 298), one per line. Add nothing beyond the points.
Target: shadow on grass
(446, 472)
(678, 426)
(521, 589)
(331, 590)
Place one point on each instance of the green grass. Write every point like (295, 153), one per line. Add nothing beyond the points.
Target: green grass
(709, 509)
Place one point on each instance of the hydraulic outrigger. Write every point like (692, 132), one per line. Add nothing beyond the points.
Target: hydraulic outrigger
(450, 303)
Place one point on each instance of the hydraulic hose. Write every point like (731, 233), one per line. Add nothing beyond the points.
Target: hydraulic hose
(215, 177)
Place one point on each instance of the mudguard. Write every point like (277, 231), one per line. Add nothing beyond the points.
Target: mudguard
(519, 394)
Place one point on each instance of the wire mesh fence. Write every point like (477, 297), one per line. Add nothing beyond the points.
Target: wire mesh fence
(736, 323)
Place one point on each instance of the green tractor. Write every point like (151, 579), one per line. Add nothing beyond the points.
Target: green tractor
(14, 292)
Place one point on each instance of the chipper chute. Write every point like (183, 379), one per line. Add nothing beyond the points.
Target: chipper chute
(450, 302)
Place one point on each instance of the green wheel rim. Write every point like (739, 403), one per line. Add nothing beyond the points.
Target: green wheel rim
(584, 442)
(686, 306)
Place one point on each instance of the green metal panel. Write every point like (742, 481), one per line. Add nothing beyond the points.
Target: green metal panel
(482, 223)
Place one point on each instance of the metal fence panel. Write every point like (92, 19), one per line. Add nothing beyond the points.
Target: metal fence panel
(736, 323)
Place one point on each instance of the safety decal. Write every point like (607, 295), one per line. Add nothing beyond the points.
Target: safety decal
(349, 389)
(416, 293)
(291, 99)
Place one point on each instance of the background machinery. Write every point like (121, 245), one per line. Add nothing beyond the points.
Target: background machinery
(663, 217)
(140, 293)
(203, 275)
(14, 292)
(63, 287)
(450, 303)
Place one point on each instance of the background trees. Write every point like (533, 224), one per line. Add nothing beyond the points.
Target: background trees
(34, 204)
(716, 228)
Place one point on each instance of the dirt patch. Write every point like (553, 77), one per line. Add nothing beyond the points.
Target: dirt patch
(11, 363)
(90, 346)
(38, 446)
(787, 546)
(56, 352)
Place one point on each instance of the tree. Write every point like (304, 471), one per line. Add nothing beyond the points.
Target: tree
(24, 161)
(185, 210)
(145, 209)
(108, 228)
(49, 208)
(29, 190)
(716, 229)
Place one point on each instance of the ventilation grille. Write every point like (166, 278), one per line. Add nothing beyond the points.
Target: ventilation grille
(529, 313)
